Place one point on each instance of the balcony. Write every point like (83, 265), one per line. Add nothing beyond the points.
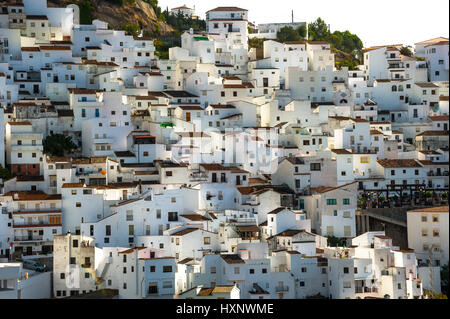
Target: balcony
(28, 238)
(39, 225)
(90, 173)
(17, 25)
(282, 289)
(238, 220)
(439, 174)
(396, 66)
(222, 180)
(251, 202)
(27, 147)
(103, 140)
(362, 290)
(17, 15)
(223, 54)
(197, 177)
(37, 211)
(90, 103)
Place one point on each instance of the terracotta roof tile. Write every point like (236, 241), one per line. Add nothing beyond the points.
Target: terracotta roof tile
(398, 163)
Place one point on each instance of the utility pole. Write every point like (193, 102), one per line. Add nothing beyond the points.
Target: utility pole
(292, 16)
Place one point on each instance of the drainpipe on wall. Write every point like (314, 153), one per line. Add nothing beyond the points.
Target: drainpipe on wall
(136, 269)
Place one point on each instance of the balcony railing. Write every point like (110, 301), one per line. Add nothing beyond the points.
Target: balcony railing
(282, 288)
(37, 225)
(437, 174)
(28, 238)
(360, 290)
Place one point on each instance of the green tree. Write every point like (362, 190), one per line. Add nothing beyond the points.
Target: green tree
(5, 173)
(318, 30)
(58, 145)
(256, 43)
(287, 34)
(86, 9)
(406, 51)
(132, 29)
(335, 242)
(336, 40)
(301, 30)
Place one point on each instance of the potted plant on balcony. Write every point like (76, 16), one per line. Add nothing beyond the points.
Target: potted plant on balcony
(444, 197)
(428, 195)
(362, 202)
(437, 199)
(381, 201)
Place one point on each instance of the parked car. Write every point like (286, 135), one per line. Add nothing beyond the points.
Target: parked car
(34, 265)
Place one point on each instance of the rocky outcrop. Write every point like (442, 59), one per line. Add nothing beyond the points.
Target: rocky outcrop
(140, 13)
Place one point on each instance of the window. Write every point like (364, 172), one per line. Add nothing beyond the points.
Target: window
(75, 243)
(167, 268)
(315, 167)
(236, 270)
(435, 219)
(264, 270)
(331, 202)
(213, 270)
(173, 216)
(207, 240)
(78, 204)
(346, 270)
(364, 160)
(152, 268)
(304, 269)
(129, 215)
(167, 284)
(346, 201)
(436, 233)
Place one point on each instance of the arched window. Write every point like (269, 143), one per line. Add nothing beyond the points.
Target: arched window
(394, 88)
(400, 88)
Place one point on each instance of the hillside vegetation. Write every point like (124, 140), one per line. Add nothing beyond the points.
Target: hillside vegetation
(143, 15)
